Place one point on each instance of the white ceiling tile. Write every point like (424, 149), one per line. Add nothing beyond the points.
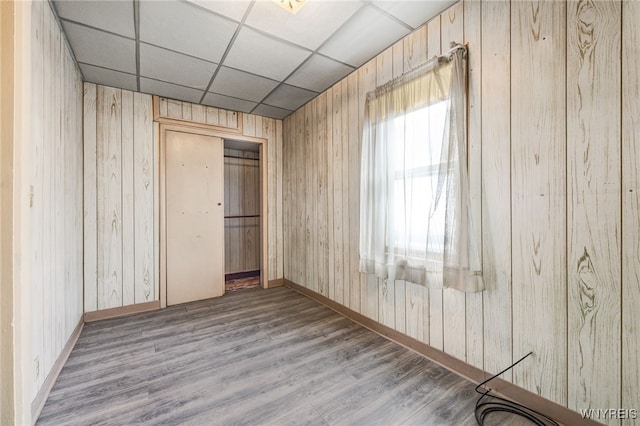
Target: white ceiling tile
(243, 85)
(185, 28)
(154, 87)
(263, 55)
(114, 16)
(226, 102)
(318, 73)
(96, 47)
(366, 34)
(310, 27)
(289, 97)
(271, 111)
(162, 64)
(109, 77)
(232, 9)
(414, 13)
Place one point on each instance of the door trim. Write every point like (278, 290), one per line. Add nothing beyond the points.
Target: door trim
(264, 196)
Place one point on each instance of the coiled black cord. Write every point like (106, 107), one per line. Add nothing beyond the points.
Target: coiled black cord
(495, 403)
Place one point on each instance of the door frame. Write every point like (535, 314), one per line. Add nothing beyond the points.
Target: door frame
(163, 128)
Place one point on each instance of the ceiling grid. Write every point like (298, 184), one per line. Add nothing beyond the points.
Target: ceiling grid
(243, 55)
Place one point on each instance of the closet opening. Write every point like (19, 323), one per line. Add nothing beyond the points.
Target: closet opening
(242, 215)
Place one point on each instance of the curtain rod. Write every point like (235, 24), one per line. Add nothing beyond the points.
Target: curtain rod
(423, 67)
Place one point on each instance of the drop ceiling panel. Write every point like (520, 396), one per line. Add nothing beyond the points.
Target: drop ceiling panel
(263, 55)
(310, 27)
(186, 28)
(162, 64)
(271, 111)
(114, 16)
(318, 73)
(109, 77)
(363, 36)
(289, 97)
(96, 47)
(226, 102)
(182, 44)
(231, 9)
(243, 85)
(414, 13)
(160, 88)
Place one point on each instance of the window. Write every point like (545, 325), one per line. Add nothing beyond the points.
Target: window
(416, 161)
(415, 222)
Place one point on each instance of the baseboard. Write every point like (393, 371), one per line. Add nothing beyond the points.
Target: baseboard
(276, 283)
(41, 397)
(461, 368)
(121, 311)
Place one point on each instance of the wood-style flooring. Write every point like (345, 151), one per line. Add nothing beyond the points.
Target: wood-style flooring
(252, 357)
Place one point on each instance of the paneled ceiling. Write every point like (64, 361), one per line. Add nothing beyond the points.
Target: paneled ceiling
(244, 55)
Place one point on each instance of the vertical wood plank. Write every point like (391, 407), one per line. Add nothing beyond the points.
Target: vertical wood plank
(65, 166)
(538, 196)
(223, 118)
(338, 193)
(47, 203)
(436, 322)
(630, 205)
(174, 108)
(144, 189)
(90, 200)
(354, 192)
(386, 288)
(346, 191)
(79, 188)
(279, 235)
(232, 119)
(213, 116)
(328, 153)
(593, 202)
(186, 111)
(38, 179)
(109, 158)
(266, 128)
(496, 185)
(301, 240)
(322, 240)
(164, 107)
(454, 302)
(248, 124)
(310, 277)
(473, 35)
(369, 283)
(199, 113)
(58, 193)
(400, 320)
(287, 132)
(128, 228)
(415, 48)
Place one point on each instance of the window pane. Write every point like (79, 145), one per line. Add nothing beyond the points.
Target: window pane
(415, 161)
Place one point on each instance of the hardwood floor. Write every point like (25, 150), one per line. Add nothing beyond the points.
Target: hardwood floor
(251, 357)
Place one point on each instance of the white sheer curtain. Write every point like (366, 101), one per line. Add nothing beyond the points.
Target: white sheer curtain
(415, 219)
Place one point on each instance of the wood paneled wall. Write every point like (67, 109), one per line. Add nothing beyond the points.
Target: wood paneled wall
(241, 199)
(553, 132)
(121, 175)
(120, 199)
(56, 193)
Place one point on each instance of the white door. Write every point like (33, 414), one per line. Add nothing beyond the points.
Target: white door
(195, 217)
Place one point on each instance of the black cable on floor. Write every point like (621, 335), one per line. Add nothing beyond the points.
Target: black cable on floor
(489, 403)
